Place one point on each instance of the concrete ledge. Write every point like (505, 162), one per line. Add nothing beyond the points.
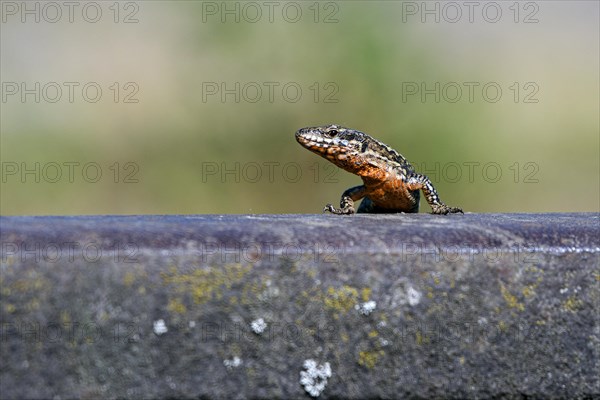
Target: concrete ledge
(236, 306)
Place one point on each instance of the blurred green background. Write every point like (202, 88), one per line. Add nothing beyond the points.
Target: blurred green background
(167, 140)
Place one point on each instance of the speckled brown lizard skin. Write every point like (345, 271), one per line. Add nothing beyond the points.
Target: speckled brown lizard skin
(390, 184)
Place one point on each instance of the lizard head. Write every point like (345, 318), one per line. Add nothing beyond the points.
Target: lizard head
(342, 146)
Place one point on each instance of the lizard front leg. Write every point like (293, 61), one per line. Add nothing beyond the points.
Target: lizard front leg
(418, 181)
(347, 201)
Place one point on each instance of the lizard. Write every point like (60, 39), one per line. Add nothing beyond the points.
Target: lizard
(390, 183)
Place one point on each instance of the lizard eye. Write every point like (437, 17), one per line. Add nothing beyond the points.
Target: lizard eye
(332, 132)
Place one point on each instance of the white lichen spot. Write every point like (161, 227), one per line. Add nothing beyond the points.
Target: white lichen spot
(258, 326)
(564, 290)
(414, 296)
(171, 383)
(165, 253)
(366, 308)
(314, 379)
(160, 327)
(269, 293)
(233, 363)
(192, 324)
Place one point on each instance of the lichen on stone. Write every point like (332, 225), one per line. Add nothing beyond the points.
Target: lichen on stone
(342, 299)
(160, 327)
(366, 308)
(233, 363)
(511, 300)
(369, 359)
(258, 326)
(314, 379)
(414, 296)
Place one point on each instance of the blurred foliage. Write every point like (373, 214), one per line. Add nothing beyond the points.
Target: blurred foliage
(547, 152)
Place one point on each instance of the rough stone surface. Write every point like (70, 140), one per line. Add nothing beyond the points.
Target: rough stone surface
(413, 306)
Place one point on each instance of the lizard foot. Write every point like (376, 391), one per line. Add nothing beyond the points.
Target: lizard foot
(444, 209)
(339, 211)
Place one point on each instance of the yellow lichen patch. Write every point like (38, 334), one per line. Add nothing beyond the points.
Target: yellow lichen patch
(129, 278)
(342, 299)
(502, 326)
(461, 361)
(205, 284)
(20, 285)
(534, 269)
(9, 260)
(418, 338)
(33, 284)
(251, 291)
(373, 334)
(175, 305)
(345, 337)
(65, 317)
(236, 349)
(310, 331)
(430, 294)
(572, 304)
(366, 294)
(529, 290)
(32, 305)
(510, 299)
(103, 316)
(29, 285)
(369, 358)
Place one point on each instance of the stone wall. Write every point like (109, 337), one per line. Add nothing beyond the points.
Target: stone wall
(293, 306)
